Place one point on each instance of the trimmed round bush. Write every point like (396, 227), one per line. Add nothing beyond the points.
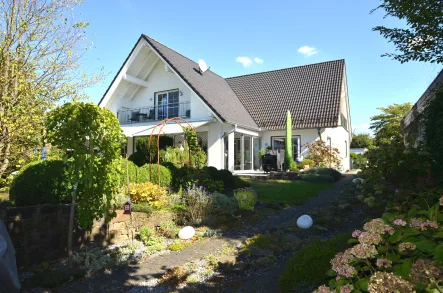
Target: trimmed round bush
(143, 175)
(131, 169)
(40, 182)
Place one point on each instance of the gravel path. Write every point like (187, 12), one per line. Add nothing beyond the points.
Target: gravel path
(123, 279)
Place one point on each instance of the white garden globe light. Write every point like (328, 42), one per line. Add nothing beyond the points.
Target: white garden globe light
(304, 222)
(186, 233)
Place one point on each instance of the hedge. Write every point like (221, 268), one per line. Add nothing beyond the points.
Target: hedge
(40, 182)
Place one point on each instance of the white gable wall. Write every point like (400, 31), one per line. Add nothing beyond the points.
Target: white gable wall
(340, 140)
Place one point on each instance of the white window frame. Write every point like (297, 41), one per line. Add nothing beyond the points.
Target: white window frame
(167, 105)
(284, 137)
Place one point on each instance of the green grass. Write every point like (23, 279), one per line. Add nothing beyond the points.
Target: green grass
(285, 191)
(310, 265)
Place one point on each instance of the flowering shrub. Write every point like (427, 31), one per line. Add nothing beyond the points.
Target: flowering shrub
(148, 192)
(198, 204)
(246, 198)
(393, 254)
(323, 155)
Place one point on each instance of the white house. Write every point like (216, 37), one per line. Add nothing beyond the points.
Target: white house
(234, 117)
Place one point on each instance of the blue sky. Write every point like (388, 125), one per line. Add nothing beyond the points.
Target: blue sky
(277, 34)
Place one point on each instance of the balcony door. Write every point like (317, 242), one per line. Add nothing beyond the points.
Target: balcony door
(167, 104)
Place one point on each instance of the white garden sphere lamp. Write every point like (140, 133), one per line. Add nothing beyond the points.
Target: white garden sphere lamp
(186, 233)
(304, 222)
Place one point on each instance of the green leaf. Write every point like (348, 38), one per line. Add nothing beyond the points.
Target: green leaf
(388, 217)
(362, 284)
(404, 269)
(412, 213)
(426, 246)
(434, 212)
(438, 253)
(438, 235)
(396, 237)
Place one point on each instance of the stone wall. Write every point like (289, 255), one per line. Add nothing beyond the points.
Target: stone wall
(40, 233)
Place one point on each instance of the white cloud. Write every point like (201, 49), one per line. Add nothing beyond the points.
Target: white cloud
(245, 61)
(258, 60)
(307, 51)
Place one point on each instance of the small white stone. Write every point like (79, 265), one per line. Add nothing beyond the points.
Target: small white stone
(304, 222)
(186, 233)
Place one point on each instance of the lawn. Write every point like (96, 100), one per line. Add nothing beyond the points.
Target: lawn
(286, 191)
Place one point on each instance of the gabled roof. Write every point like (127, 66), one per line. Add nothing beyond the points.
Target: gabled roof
(310, 92)
(261, 100)
(210, 87)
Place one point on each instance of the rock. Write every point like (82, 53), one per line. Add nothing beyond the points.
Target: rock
(358, 180)
(304, 222)
(186, 233)
(261, 252)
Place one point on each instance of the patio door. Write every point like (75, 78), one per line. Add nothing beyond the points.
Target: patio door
(167, 104)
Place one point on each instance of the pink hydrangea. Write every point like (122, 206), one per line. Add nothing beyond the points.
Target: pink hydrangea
(415, 222)
(356, 233)
(428, 224)
(383, 263)
(348, 288)
(363, 251)
(323, 289)
(406, 246)
(369, 238)
(400, 222)
(376, 226)
(389, 230)
(341, 264)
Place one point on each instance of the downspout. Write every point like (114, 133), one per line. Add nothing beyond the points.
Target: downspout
(318, 131)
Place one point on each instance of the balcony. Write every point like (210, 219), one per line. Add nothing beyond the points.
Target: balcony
(154, 113)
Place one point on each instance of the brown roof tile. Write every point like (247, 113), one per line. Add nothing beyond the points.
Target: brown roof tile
(310, 92)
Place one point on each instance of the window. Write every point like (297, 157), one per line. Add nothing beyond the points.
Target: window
(167, 104)
(279, 144)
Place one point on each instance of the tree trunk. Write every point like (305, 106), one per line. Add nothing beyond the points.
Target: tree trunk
(71, 225)
(5, 162)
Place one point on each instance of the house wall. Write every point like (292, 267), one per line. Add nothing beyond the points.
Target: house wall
(340, 139)
(306, 136)
(215, 145)
(160, 80)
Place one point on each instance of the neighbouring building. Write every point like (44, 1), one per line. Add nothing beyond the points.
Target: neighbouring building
(234, 117)
(412, 124)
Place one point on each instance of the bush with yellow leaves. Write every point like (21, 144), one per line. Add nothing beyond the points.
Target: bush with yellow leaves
(148, 192)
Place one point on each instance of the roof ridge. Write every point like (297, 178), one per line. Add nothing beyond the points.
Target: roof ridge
(287, 68)
(146, 36)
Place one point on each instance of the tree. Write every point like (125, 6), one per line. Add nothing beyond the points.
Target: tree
(93, 137)
(387, 126)
(41, 45)
(288, 142)
(423, 40)
(362, 140)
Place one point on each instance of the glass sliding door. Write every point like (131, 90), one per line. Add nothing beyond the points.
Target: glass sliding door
(168, 104)
(279, 148)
